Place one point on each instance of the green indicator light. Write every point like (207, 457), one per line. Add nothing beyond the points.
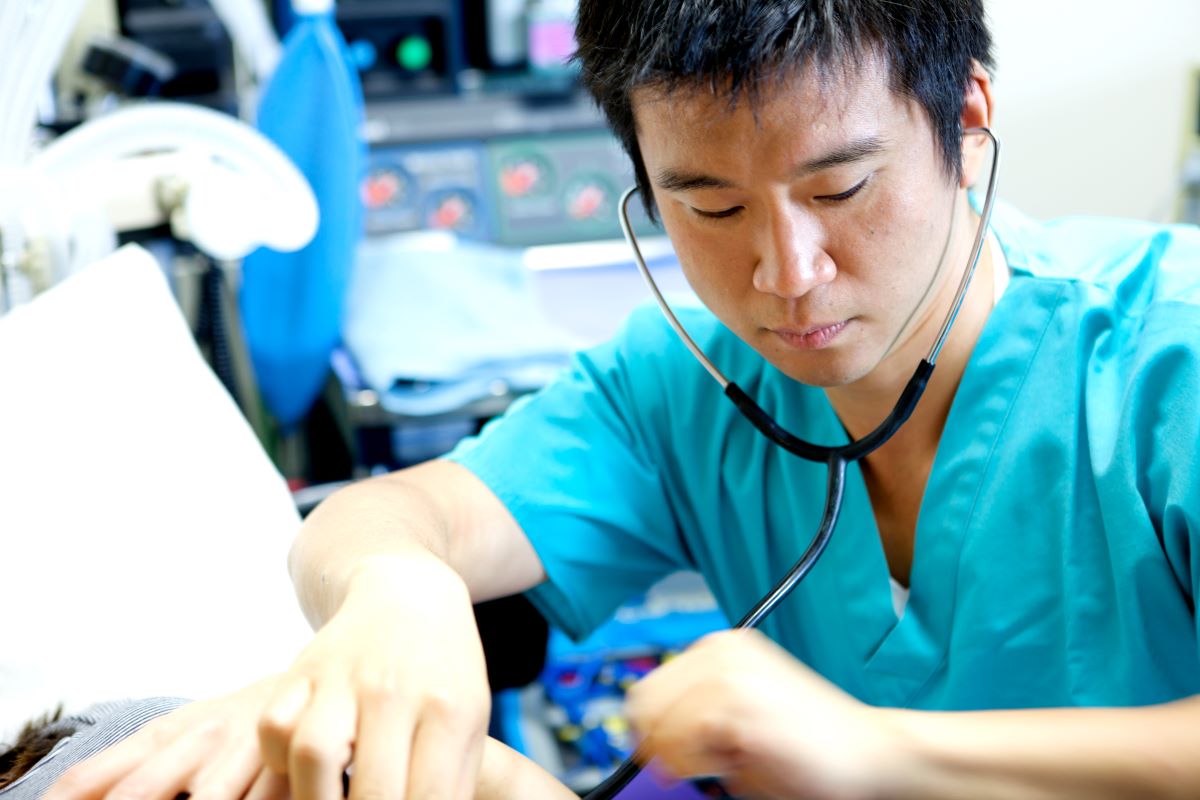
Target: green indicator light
(414, 53)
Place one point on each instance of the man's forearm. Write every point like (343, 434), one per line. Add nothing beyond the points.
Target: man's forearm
(1141, 753)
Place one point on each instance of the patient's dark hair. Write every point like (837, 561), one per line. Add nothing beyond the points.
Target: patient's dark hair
(36, 739)
(735, 46)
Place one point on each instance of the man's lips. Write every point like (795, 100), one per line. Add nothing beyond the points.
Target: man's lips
(812, 337)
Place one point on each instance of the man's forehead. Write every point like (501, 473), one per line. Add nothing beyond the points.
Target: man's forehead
(696, 137)
(823, 91)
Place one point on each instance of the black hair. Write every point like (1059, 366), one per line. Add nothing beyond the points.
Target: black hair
(738, 46)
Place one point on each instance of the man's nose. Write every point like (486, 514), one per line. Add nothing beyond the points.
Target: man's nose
(792, 259)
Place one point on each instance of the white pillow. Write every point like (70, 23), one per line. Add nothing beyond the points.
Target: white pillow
(143, 530)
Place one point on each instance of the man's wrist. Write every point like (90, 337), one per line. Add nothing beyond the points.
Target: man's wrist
(907, 768)
(377, 578)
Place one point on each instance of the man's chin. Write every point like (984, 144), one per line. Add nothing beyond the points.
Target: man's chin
(824, 370)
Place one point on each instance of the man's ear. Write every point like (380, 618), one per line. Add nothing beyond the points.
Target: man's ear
(976, 113)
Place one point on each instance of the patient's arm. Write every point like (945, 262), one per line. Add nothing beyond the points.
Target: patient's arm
(507, 775)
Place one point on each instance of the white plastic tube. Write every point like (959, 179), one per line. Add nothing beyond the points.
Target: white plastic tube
(253, 37)
(41, 33)
(11, 15)
(14, 19)
(285, 212)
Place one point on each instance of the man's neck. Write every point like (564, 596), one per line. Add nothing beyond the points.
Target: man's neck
(896, 474)
(861, 406)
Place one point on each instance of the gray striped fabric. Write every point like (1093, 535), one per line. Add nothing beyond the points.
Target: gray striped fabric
(100, 726)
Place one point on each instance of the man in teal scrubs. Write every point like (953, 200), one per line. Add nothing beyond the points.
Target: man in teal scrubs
(1024, 552)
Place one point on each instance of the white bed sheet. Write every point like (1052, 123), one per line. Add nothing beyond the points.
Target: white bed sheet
(143, 530)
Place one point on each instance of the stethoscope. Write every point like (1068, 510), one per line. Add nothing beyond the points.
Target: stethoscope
(836, 458)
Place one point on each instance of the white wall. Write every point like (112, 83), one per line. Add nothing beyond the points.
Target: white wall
(1091, 98)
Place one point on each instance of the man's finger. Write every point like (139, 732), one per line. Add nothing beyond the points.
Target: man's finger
(322, 745)
(229, 773)
(95, 776)
(382, 750)
(167, 773)
(279, 719)
(269, 785)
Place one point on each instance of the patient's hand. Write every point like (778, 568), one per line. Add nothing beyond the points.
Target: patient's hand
(507, 775)
(209, 750)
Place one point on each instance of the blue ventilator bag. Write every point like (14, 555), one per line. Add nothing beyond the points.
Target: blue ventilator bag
(291, 303)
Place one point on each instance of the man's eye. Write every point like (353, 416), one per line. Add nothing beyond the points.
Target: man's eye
(846, 195)
(723, 214)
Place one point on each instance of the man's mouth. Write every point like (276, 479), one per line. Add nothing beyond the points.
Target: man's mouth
(813, 337)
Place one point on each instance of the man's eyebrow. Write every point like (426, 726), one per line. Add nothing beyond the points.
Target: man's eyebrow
(858, 150)
(676, 180)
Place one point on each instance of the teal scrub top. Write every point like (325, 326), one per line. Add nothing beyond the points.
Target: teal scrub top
(1057, 553)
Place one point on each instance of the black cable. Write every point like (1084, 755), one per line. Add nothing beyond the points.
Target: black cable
(212, 329)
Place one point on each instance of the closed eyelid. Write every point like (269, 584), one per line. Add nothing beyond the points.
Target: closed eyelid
(832, 198)
(722, 214)
(846, 195)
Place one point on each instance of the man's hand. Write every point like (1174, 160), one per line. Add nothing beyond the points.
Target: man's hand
(737, 706)
(206, 749)
(394, 682)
